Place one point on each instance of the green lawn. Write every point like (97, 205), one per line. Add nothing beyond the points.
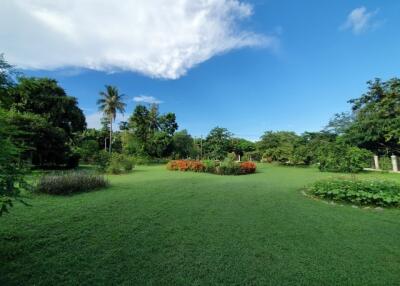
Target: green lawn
(157, 227)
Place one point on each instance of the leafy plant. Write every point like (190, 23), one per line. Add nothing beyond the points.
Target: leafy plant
(361, 192)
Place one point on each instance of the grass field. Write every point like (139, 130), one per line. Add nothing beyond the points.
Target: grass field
(157, 227)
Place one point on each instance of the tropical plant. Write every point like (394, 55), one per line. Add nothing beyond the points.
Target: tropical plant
(110, 103)
(361, 192)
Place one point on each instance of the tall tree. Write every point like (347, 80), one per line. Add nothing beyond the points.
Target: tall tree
(218, 143)
(376, 124)
(110, 103)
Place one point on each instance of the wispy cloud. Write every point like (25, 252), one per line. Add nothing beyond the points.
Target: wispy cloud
(147, 99)
(158, 38)
(360, 20)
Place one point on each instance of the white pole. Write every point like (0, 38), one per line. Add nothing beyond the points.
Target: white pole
(376, 162)
(394, 163)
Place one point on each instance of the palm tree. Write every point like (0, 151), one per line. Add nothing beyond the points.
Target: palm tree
(110, 103)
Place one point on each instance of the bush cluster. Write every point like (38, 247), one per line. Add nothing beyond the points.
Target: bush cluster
(361, 192)
(344, 158)
(120, 163)
(226, 167)
(70, 182)
(114, 163)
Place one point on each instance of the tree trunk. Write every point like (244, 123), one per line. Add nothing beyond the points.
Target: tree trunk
(110, 134)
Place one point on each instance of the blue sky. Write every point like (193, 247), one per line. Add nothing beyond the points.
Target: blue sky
(281, 65)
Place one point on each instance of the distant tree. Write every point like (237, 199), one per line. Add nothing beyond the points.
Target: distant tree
(278, 146)
(183, 145)
(150, 134)
(110, 103)
(241, 146)
(218, 143)
(376, 125)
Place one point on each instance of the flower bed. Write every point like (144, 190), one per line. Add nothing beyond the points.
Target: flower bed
(214, 167)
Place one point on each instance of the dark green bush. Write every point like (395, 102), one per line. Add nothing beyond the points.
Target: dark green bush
(340, 157)
(70, 182)
(102, 160)
(209, 166)
(361, 192)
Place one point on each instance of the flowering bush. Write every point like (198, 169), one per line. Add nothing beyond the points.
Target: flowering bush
(196, 166)
(226, 167)
(247, 167)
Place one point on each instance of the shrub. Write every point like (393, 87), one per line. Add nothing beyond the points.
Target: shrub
(361, 192)
(73, 161)
(102, 160)
(247, 167)
(196, 166)
(172, 165)
(228, 167)
(340, 157)
(70, 182)
(209, 166)
(120, 163)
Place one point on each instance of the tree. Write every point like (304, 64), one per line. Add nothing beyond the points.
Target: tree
(340, 123)
(376, 125)
(218, 143)
(241, 146)
(12, 171)
(110, 103)
(49, 118)
(183, 145)
(150, 134)
(278, 146)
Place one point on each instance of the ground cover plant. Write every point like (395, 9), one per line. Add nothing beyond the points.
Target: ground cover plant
(226, 167)
(70, 182)
(156, 227)
(361, 192)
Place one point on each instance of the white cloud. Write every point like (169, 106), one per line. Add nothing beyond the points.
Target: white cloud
(158, 38)
(359, 20)
(147, 99)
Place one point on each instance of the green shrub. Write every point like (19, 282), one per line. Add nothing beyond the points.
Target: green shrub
(120, 163)
(102, 160)
(70, 182)
(385, 163)
(228, 167)
(361, 192)
(73, 161)
(209, 166)
(340, 157)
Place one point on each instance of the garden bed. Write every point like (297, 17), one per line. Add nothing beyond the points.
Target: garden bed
(226, 167)
(360, 192)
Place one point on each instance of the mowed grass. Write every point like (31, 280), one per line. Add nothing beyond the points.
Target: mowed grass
(157, 227)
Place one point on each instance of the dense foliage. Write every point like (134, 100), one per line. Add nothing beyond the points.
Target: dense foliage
(70, 182)
(376, 124)
(361, 192)
(341, 157)
(12, 168)
(48, 119)
(149, 133)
